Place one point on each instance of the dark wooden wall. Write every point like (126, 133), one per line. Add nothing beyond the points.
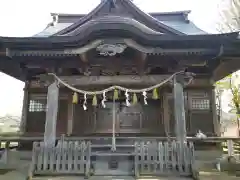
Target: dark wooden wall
(37, 114)
(198, 111)
(156, 118)
(136, 119)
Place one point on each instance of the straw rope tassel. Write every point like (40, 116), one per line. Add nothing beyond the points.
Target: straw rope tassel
(75, 98)
(155, 94)
(115, 94)
(94, 100)
(135, 99)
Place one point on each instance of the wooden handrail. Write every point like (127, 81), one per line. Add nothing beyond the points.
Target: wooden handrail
(230, 140)
(40, 138)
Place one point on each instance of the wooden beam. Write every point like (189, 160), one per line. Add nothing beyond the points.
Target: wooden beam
(124, 80)
(84, 57)
(114, 80)
(225, 68)
(140, 62)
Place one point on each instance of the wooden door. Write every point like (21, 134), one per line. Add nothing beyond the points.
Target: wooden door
(129, 118)
(104, 119)
(140, 118)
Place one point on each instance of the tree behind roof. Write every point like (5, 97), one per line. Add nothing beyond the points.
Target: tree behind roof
(230, 22)
(229, 16)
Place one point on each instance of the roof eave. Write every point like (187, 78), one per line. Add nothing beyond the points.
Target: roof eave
(79, 40)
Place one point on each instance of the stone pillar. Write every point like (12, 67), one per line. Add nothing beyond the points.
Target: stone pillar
(179, 109)
(51, 114)
(25, 105)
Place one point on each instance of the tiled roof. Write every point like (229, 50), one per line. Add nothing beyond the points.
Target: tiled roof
(174, 23)
(186, 27)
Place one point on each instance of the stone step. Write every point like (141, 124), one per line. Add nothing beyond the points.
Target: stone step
(112, 178)
(205, 165)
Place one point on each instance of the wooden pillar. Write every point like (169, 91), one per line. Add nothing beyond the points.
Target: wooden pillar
(179, 109)
(24, 108)
(216, 123)
(51, 114)
(166, 117)
(70, 116)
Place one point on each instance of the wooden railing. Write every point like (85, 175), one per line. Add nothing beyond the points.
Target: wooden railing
(231, 146)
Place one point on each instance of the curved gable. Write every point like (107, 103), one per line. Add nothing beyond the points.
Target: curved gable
(124, 8)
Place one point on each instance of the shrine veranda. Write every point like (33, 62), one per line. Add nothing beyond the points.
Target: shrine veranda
(119, 73)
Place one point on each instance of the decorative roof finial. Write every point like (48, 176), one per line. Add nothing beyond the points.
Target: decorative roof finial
(55, 20)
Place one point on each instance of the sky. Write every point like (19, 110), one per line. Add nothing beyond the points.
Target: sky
(24, 18)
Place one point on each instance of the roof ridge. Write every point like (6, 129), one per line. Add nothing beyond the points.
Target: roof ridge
(84, 18)
(151, 18)
(126, 4)
(171, 12)
(154, 13)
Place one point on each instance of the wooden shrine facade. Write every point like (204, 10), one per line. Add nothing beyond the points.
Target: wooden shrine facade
(118, 44)
(156, 118)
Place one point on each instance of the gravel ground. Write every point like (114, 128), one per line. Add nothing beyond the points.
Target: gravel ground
(203, 176)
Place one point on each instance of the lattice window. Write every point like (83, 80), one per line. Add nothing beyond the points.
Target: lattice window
(37, 105)
(200, 104)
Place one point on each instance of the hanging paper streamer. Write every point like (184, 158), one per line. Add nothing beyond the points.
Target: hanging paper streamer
(155, 94)
(127, 98)
(117, 90)
(94, 100)
(85, 102)
(135, 99)
(104, 100)
(75, 98)
(115, 94)
(145, 97)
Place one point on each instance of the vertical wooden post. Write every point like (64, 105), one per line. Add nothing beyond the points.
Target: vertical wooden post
(5, 155)
(230, 147)
(179, 112)
(70, 115)
(24, 108)
(51, 115)
(179, 109)
(216, 123)
(166, 117)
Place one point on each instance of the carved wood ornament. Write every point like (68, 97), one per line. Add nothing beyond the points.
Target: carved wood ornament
(111, 49)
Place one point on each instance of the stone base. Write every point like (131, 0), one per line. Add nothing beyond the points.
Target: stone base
(230, 167)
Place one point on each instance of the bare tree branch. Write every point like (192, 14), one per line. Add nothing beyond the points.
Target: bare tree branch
(229, 16)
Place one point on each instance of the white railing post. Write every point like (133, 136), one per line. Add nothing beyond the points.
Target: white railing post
(230, 147)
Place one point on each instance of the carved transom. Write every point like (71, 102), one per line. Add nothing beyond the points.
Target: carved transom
(111, 49)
